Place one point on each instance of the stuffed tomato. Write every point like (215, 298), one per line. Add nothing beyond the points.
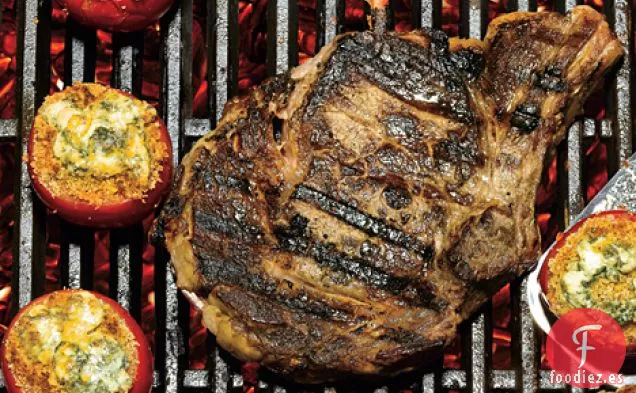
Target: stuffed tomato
(99, 157)
(75, 341)
(593, 265)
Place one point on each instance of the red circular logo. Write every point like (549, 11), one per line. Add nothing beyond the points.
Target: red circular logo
(586, 349)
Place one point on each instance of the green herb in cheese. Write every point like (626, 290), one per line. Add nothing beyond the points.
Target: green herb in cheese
(104, 139)
(77, 345)
(98, 145)
(600, 259)
(99, 369)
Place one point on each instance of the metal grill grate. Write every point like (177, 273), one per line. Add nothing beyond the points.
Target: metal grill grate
(222, 375)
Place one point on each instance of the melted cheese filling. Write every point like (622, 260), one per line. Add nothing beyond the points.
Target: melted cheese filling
(104, 139)
(76, 345)
(602, 275)
(98, 145)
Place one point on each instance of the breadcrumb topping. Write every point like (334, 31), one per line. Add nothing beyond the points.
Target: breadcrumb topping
(72, 342)
(97, 145)
(596, 268)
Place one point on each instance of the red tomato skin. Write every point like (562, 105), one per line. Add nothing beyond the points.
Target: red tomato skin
(144, 377)
(544, 274)
(114, 215)
(117, 15)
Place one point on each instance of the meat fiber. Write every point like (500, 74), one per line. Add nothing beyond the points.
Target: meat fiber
(344, 218)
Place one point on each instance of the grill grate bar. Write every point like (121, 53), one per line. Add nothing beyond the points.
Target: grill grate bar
(326, 22)
(237, 381)
(220, 372)
(426, 13)
(527, 335)
(76, 256)
(123, 67)
(454, 379)
(326, 30)
(196, 128)
(172, 336)
(479, 350)
(195, 378)
(544, 382)
(282, 36)
(569, 4)
(74, 266)
(277, 36)
(121, 255)
(526, 5)
(331, 20)
(168, 333)
(574, 170)
(8, 128)
(428, 383)
(589, 127)
(233, 48)
(624, 125)
(224, 50)
(433, 15)
(219, 55)
(607, 128)
(127, 75)
(186, 55)
(282, 50)
(81, 42)
(503, 379)
(77, 59)
(79, 66)
(476, 12)
(171, 84)
(25, 253)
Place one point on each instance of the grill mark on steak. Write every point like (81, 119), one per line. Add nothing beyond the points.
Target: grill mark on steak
(424, 77)
(358, 219)
(237, 229)
(228, 270)
(251, 304)
(217, 268)
(229, 182)
(415, 293)
(469, 62)
(295, 239)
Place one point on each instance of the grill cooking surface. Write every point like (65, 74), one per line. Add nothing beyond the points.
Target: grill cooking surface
(223, 374)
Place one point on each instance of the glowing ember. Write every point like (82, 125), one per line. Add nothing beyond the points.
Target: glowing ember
(6, 224)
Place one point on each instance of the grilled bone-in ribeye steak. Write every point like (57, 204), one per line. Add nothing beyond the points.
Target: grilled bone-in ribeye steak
(346, 217)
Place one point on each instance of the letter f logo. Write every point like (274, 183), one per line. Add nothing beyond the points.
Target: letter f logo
(584, 347)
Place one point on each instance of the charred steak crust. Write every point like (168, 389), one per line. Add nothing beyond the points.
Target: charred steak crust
(346, 217)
